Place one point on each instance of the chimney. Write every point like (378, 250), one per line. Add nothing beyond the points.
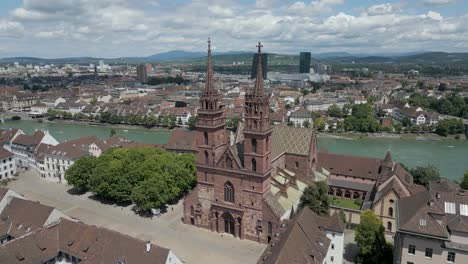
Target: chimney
(148, 246)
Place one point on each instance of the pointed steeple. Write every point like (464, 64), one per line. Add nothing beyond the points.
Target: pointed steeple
(258, 88)
(210, 99)
(209, 84)
(388, 161)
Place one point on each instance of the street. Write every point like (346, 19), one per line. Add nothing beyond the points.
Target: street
(190, 244)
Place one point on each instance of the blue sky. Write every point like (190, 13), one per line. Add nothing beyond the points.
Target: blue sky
(117, 28)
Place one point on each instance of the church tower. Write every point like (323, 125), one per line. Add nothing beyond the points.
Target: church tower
(257, 132)
(211, 121)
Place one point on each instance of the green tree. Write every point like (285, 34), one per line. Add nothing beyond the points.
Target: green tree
(112, 132)
(370, 238)
(93, 101)
(80, 173)
(319, 124)
(316, 198)
(192, 122)
(423, 175)
(464, 182)
(232, 122)
(334, 111)
(179, 121)
(406, 122)
(306, 124)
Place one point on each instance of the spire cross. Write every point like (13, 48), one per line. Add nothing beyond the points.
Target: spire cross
(259, 46)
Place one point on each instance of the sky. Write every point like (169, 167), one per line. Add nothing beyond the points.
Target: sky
(123, 28)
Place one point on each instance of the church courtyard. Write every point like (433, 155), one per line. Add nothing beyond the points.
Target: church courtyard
(191, 244)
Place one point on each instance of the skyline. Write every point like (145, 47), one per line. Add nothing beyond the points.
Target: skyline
(130, 28)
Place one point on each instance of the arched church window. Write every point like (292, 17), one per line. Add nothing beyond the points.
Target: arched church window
(254, 145)
(228, 192)
(206, 157)
(205, 135)
(254, 165)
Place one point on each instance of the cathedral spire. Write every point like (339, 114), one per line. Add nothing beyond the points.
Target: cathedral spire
(259, 89)
(209, 84)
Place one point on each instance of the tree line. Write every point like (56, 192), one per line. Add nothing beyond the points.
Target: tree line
(148, 177)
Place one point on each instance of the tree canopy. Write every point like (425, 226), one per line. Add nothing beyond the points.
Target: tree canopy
(362, 119)
(423, 175)
(464, 182)
(371, 240)
(149, 177)
(316, 198)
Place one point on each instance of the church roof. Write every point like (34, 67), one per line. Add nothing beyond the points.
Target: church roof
(293, 140)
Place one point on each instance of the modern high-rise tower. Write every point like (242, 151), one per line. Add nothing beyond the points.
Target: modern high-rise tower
(304, 62)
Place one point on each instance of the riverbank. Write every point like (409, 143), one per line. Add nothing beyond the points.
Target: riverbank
(428, 136)
(106, 125)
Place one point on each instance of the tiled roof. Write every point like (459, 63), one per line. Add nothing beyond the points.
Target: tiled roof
(90, 244)
(362, 167)
(293, 140)
(182, 140)
(5, 153)
(299, 241)
(35, 139)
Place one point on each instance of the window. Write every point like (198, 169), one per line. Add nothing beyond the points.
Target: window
(254, 145)
(390, 211)
(451, 257)
(389, 226)
(297, 165)
(333, 246)
(449, 208)
(332, 258)
(206, 157)
(411, 249)
(228, 192)
(464, 209)
(428, 253)
(205, 135)
(409, 262)
(422, 222)
(254, 165)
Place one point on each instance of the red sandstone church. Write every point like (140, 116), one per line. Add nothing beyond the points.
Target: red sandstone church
(246, 185)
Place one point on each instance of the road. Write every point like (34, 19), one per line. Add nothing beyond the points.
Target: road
(190, 244)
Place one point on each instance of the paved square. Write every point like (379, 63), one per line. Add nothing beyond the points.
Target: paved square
(190, 244)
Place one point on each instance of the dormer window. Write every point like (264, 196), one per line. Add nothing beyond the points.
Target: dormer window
(422, 222)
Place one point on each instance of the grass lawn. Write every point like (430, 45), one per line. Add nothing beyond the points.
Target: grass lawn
(345, 203)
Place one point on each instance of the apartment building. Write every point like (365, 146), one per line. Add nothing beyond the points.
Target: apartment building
(432, 226)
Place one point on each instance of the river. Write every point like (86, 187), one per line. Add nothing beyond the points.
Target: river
(449, 155)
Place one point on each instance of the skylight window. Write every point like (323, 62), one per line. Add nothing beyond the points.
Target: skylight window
(464, 209)
(422, 222)
(449, 208)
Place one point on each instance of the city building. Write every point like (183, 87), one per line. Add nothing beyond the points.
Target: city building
(24, 147)
(248, 184)
(304, 62)
(432, 226)
(377, 183)
(20, 217)
(307, 238)
(300, 117)
(264, 61)
(142, 73)
(7, 164)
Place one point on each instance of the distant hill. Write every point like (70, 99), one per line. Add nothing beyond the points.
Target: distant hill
(198, 57)
(422, 58)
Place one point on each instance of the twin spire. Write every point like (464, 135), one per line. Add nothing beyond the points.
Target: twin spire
(259, 90)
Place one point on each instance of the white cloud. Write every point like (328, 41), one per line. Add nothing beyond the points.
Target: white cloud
(117, 28)
(438, 2)
(382, 9)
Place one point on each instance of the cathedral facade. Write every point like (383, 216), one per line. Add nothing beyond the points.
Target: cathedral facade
(243, 186)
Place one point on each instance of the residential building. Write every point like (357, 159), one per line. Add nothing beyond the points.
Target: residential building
(20, 217)
(307, 238)
(7, 164)
(300, 116)
(432, 226)
(24, 147)
(39, 109)
(322, 104)
(68, 241)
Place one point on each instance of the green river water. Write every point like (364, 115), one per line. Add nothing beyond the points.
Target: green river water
(449, 155)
